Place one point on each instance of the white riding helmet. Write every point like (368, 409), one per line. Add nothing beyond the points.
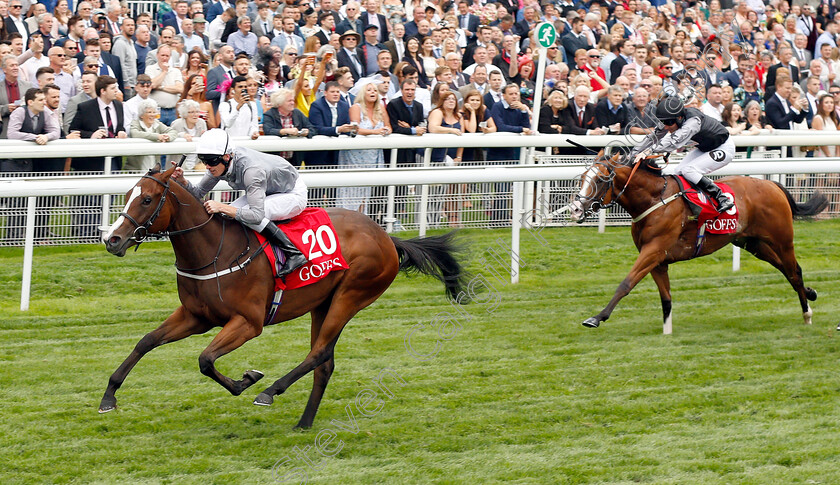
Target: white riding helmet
(214, 142)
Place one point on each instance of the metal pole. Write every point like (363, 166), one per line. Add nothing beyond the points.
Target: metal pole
(29, 241)
(515, 224)
(736, 258)
(539, 89)
(106, 203)
(392, 193)
(602, 221)
(424, 195)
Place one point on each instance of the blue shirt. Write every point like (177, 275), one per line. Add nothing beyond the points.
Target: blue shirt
(243, 43)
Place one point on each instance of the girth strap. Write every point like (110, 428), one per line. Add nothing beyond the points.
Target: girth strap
(659, 204)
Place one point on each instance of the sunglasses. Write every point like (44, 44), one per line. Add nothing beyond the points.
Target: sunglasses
(211, 160)
(16, 6)
(91, 65)
(666, 67)
(594, 57)
(74, 48)
(646, 85)
(60, 55)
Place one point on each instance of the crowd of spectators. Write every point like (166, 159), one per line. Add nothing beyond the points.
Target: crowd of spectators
(300, 68)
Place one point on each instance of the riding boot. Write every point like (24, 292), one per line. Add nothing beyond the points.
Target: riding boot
(294, 258)
(723, 202)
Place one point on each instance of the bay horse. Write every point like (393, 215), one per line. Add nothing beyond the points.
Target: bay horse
(666, 234)
(239, 301)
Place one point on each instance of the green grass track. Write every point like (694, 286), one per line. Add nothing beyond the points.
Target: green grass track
(741, 393)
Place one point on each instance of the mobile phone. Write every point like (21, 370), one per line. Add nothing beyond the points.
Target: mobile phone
(483, 124)
(244, 91)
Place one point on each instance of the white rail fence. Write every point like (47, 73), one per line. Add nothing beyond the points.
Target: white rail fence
(525, 209)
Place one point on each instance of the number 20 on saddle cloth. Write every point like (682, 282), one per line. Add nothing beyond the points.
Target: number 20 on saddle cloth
(313, 234)
(708, 218)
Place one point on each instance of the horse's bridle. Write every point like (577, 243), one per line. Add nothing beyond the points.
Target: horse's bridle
(141, 231)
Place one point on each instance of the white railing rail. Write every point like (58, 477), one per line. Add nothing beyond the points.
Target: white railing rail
(134, 146)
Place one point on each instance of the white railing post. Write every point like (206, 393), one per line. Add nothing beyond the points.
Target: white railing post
(28, 246)
(106, 203)
(390, 217)
(515, 225)
(602, 221)
(424, 194)
(736, 258)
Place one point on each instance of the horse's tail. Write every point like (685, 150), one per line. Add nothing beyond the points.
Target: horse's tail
(433, 256)
(811, 207)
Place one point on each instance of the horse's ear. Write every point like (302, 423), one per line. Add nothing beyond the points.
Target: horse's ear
(155, 169)
(601, 153)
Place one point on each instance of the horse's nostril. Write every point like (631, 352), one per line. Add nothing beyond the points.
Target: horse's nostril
(114, 240)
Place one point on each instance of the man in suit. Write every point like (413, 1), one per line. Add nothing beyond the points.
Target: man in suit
(263, 23)
(467, 22)
(327, 22)
(372, 17)
(478, 82)
(353, 21)
(494, 92)
(611, 112)
(13, 86)
(330, 116)
(15, 22)
(802, 55)
(182, 8)
(218, 74)
(579, 118)
(406, 116)
(626, 48)
(396, 46)
(781, 115)
(101, 117)
(736, 76)
(575, 39)
(528, 23)
(349, 55)
(785, 58)
(288, 37)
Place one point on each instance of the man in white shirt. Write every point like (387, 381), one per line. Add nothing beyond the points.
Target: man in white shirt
(217, 27)
(191, 39)
(37, 61)
(481, 58)
(63, 80)
(143, 88)
(478, 81)
(713, 108)
(167, 84)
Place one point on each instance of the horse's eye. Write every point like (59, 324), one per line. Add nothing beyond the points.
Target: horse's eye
(147, 200)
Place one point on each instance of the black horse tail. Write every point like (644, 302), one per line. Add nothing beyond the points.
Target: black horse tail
(434, 256)
(813, 206)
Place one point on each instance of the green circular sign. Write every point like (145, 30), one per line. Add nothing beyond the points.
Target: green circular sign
(546, 34)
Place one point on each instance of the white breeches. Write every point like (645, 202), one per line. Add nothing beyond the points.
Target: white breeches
(279, 207)
(697, 164)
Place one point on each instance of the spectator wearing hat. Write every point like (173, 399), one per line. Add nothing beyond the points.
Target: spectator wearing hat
(350, 55)
(370, 48)
(143, 90)
(371, 16)
(327, 22)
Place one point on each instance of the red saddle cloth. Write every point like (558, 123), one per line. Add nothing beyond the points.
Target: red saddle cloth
(313, 234)
(715, 222)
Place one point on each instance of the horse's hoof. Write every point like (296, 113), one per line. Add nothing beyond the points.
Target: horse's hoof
(591, 322)
(811, 294)
(253, 375)
(302, 427)
(107, 405)
(263, 400)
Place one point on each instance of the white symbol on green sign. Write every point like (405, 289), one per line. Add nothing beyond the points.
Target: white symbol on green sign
(546, 34)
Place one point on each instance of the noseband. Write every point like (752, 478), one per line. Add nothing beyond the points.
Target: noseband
(141, 231)
(598, 203)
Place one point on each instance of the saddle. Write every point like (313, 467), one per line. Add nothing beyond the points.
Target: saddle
(704, 211)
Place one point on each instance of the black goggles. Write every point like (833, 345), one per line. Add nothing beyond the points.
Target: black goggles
(211, 160)
(669, 122)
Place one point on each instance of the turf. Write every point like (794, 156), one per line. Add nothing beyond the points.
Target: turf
(520, 392)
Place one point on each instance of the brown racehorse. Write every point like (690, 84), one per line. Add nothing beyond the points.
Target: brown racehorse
(239, 301)
(667, 234)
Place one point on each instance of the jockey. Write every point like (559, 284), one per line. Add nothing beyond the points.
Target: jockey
(273, 189)
(683, 125)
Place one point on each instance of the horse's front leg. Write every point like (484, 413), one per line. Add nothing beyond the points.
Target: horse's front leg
(179, 325)
(660, 276)
(649, 257)
(236, 332)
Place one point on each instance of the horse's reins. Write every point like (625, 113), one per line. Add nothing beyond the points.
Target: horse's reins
(141, 233)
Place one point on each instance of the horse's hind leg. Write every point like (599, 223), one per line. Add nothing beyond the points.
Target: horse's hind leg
(322, 373)
(235, 333)
(784, 260)
(660, 276)
(179, 325)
